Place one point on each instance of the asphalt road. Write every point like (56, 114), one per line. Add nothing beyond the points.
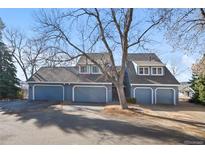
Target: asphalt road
(43, 123)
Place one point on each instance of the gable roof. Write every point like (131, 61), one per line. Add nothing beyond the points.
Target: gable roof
(71, 74)
(64, 74)
(99, 57)
(143, 57)
(148, 59)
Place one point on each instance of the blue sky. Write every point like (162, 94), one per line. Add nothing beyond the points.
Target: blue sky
(23, 19)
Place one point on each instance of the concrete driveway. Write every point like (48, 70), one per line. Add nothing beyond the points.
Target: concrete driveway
(43, 123)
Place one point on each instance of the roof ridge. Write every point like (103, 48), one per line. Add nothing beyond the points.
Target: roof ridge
(143, 53)
(57, 67)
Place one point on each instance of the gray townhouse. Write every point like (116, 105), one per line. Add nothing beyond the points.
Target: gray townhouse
(147, 80)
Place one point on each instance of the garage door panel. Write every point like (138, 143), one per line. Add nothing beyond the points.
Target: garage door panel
(50, 93)
(143, 95)
(90, 94)
(165, 96)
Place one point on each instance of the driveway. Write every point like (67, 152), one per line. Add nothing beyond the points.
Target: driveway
(44, 123)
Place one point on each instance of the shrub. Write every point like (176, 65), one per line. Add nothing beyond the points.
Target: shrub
(131, 101)
(20, 94)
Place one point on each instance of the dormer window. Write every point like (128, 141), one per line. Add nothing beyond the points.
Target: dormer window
(84, 69)
(143, 70)
(95, 70)
(89, 69)
(157, 71)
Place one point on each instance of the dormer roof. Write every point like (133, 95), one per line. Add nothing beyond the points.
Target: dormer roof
(144, 57)
(149, 63)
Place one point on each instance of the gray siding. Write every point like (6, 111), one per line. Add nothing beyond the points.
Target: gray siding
(68, 93)
(154, 91)
(30, 92)
(127, 85)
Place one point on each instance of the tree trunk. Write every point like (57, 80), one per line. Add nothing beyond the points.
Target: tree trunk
(121, 96)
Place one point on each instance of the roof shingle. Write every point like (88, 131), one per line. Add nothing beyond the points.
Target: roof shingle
(65, 74)
(99, 57)
(149, 59)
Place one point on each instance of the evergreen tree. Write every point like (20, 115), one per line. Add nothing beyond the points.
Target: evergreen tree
(198, 85)
(8, 80)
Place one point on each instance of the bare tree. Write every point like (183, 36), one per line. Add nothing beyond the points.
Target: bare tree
(82, 31)
(199, 67)
(35, 52)
(27, 53)
(185, 29)
(176, 70)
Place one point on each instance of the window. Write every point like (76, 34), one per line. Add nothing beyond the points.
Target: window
(95, 70)
(89, 69)
(157, 71)
(146, 71)
(83, 69)
(154, 70)
(143, 70)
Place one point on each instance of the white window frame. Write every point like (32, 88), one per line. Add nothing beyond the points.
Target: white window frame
(157, 74)
(91, 68)
(143, 70)
(88, 69)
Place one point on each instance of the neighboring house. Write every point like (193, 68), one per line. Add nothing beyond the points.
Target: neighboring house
(146, 78)
(185, 91)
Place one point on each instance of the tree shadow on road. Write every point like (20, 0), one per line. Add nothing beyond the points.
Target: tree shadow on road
(79, 123)
(182, 106)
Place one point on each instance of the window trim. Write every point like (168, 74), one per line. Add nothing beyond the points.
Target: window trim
(91, 68)
(143, 70)
(157, 74)
(88, 69)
